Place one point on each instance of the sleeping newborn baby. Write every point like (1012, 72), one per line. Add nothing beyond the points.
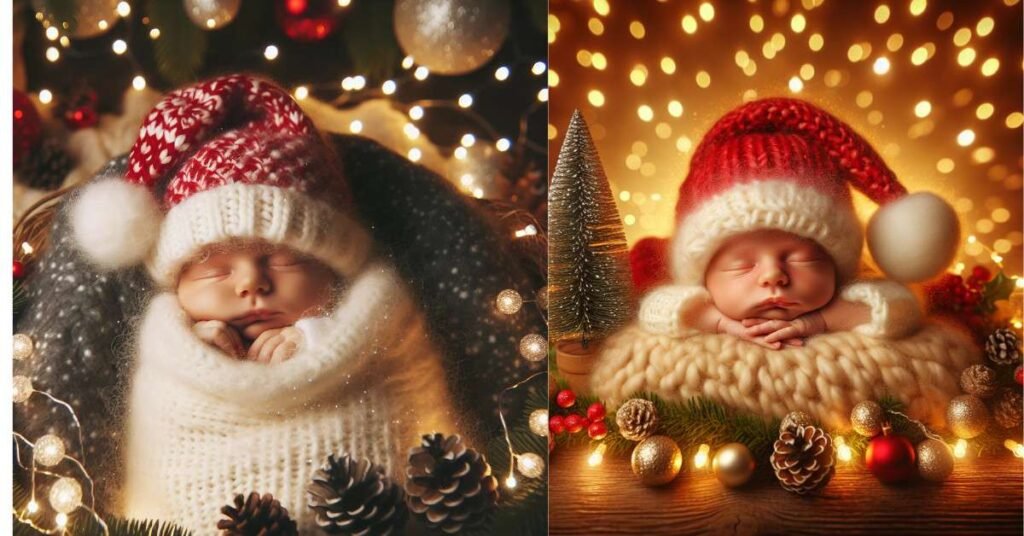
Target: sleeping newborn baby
(278, 335)
(254, 300)
(768, 246)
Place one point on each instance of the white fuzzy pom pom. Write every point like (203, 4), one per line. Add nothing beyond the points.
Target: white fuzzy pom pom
(914, 238)
(115, 223)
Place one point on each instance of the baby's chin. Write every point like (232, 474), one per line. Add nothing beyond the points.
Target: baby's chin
(254, 330)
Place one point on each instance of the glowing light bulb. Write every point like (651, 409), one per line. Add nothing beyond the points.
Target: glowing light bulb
(356, 126)
(510, 482)
(843, 451)
(960, 450)
(407, 62)
(389, 87)
(52, 33)
(155, 34)
(881, 65)
(796, 85)
(139, 82)
(421, 73)
(502, 145)
(700, 460)
(124, 9)
(415, 154)
(530, 465)
(416, 113)
(461, 153)
(597, 456)
(32, 506)
(501, 73)
(465, 100)
(61, 520)
(539, 68)
(467, 140)
(301, 92)
(533, 347)
(1016, 448)
(270, 52)
(48, 450)
(539, 422)
(119, 47)
(52, 54)
(65, 495)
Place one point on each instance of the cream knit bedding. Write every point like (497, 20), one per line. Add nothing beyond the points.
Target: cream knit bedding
(825, 378)
(204, 427)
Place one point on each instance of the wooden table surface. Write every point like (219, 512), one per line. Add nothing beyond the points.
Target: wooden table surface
(983, 496)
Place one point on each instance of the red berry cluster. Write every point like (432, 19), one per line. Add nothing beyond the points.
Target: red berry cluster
(574, 423)
(953, 296)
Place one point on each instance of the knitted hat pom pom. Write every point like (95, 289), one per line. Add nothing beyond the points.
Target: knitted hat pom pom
(914, 238)
(116, 223)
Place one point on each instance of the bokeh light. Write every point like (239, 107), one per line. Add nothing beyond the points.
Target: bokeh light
(934, 87)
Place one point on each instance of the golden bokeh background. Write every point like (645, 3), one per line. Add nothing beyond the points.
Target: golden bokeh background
(934, 86)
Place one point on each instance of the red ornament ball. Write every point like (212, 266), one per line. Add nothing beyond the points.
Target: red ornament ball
(891, 458)
(19, 270)
(1018, 375)
(597, 430)
(565, 398)
(574, 423)
(596, 411)
(556, 424)
(28, 127)
(307, 20)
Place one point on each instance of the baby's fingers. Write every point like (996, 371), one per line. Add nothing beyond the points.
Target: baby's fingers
(222, 339)
(283, 351)
(267, 351)
(748, 322)
(257, 345)
(767, 327)
(794, 342)
(789, 332)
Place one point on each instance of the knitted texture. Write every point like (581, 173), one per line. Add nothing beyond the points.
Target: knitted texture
(824, 378)
(777, 164)
(894, 310)
(277, 215)
(204, 427)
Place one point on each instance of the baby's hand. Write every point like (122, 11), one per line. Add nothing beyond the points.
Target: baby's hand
(776, 333)
(220, 335)
(276, 345)
(740, 329)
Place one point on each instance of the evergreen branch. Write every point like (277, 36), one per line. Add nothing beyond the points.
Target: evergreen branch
(181, 49)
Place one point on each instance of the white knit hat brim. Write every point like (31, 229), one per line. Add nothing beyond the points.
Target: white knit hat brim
(256, 211)
(767, 204)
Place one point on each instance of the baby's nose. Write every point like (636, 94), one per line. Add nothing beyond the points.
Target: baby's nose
(773, 276)
(251, 281)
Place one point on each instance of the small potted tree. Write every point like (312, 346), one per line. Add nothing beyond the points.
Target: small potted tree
(589, 286)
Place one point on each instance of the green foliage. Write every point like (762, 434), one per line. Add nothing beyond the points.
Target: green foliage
(369, 36)
(589, 282)
(524, 509)
(999, 288)
(181, 49)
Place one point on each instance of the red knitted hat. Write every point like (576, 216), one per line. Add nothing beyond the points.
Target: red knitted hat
(785, 164)
(233, 157)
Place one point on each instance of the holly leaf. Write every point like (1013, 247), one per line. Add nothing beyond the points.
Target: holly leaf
(998, 288)
(181, 48)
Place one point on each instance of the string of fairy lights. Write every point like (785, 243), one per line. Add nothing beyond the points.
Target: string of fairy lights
(355, 88)
(651, 77)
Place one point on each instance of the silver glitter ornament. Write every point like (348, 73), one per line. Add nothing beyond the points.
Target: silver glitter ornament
(212, 14)
(451, 37)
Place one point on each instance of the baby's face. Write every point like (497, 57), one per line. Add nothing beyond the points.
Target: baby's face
(770, 274)
(254, 287)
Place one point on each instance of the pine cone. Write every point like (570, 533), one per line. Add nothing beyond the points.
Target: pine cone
(637, 419)
(979, 380)
(46, 167)
(449, 485)
(355, 497)
(1003, 347)
(803, 459)
(256, 516)
(1007, 408)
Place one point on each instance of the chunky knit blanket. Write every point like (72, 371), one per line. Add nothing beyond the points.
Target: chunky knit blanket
(825, 378)
(204, 427)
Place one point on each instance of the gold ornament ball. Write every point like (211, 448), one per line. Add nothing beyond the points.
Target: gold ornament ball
(212, 14)
(23, 346)
(48, 451)
(533, 347)
(733, 464)
(65, 495)
(934, 460)
(967, 416)
(867, 418)
(451, 37)
(92, 17)
(22, 389)
(795, 418)
(530, 465)
(509, 302)
(656, 460)
(539, 422)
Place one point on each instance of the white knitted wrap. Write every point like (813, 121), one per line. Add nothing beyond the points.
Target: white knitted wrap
(825, 378)
(766, 204)
(277, 215)
(204, 427)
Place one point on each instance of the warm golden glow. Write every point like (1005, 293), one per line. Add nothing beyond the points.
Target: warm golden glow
(965, 137)
(990, 67)
(881, 14)
(596, 98)
(960, 450)
(638, 76)
(985, 26)
(707, 12)
(700, 460)
(689, 24)
(703, 79)
(798, 23)
(922, 109)
(815, 42)
(597, 455)
(637, 30)
(756, 24)
(918, 6)
(668, 65)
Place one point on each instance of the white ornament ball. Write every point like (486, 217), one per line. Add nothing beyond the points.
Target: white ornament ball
(914, 238)
(539, 422)
(65, 495)
(49, 450)
(23, 346)
(530, 465)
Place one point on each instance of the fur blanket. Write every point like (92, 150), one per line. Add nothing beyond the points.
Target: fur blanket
(825, 378)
